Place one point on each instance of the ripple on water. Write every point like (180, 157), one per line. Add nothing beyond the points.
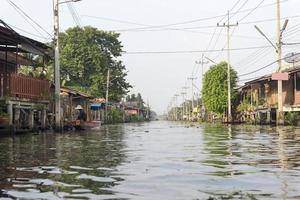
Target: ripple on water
(124, 162)
(96, 178)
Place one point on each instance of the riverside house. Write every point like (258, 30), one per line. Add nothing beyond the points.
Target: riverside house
(70, 99)
(261, 96)
(24, 99)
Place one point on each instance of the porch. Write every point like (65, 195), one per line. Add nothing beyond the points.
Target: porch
(20, 86)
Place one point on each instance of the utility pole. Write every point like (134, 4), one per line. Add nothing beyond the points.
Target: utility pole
(107, 87)
(56, 66)
(56, 4)
(176, 107)
(228, 26)
(192, 79)
(280, 119)
(202, 68)
(277, 47)
(183, 105)
(148, 110)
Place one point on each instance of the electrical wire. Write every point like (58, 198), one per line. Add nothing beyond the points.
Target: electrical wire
(195, 20)
(266, 66)
(29, 33)
(26, 15)
(74, 14)
(41, 35)
(192, 51)
(251, 11)
(245, 2)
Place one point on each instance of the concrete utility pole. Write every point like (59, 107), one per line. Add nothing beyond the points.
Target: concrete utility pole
(106, 99)
(176, 106)
(228, 26)
(277, 47)
(192, 79)
(56, 4)
(202, 68)
(56, 66)
(280, 119)
(183, 104)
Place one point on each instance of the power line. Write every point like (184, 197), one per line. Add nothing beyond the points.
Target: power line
(74, 14)
(208, 46)
(192, 51)
(39, 36)
(212, 26)
(26, 15)
(251, 11)
(245, 2)
(195, 20)
(268, 65)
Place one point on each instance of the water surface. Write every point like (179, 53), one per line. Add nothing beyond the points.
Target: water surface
(157, 160)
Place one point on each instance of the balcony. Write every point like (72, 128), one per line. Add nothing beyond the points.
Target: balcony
(20, 86)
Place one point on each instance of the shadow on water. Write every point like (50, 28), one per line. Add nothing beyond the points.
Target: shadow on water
(157, 160)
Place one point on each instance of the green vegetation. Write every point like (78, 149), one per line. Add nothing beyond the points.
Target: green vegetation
(244, 106)
(292, 118)
(215, 88)
(86, 56)
(136, 99)
(115, 115)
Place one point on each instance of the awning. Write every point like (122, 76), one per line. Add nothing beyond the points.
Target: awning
(95, 106)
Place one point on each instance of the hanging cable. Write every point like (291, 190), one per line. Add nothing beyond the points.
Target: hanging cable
(16, 7)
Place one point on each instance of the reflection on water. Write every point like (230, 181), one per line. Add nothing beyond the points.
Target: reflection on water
(158, 160)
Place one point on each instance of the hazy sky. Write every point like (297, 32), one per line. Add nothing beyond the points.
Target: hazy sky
(159, 76)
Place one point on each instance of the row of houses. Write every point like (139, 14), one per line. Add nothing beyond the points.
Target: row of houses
(261, 96)
(28, 102)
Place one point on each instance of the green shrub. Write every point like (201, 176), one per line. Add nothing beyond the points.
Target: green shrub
(115, 115)
(291, 118)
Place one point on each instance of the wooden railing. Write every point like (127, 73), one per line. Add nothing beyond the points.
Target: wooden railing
(15, 85)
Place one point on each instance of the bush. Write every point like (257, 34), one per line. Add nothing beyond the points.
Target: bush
(291, 118)
(115, 115)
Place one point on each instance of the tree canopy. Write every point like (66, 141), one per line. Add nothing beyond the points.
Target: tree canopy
(214, 91)
(86, 54)
(136, 98)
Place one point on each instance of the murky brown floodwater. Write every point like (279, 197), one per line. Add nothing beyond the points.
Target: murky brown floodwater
(155, 161)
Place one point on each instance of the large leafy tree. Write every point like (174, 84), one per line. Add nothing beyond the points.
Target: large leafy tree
(214, 92)
(86, 56)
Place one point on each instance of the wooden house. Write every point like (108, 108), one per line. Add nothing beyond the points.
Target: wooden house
(25, 99)
(71, 98)
(261, 95)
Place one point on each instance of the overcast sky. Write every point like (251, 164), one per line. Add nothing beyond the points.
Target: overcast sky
(159, 76)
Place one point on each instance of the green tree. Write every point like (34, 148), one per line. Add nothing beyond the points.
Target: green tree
(86, 56)
(140, 101)
(215, 88)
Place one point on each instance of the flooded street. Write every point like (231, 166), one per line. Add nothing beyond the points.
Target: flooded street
(157, 160)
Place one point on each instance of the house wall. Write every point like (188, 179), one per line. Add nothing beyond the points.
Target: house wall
(272, 93)
(288, 91)
(297, 93)
(270, 88)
